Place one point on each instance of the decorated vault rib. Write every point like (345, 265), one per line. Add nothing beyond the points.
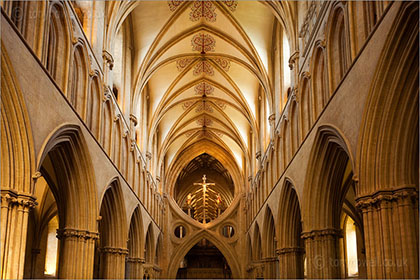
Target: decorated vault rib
(203, 43)
(203, 121)
(204, 89)
(203, 9)
(183, 63)
(203, 67)
(204, 106)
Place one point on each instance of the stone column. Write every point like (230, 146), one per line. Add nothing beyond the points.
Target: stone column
(322, 259)
(270, 267)
(113, 262)
(77, 252)
(135, 268)
(15, 209)
(290, 262)
(390, 220)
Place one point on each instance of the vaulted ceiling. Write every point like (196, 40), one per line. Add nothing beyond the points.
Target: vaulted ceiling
(203, 68)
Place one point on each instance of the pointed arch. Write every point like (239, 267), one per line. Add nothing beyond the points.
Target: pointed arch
(319, 83)
(290, 244)
(64, 160)
(93, 110)
(338, 46)
(135, 246)
(186, 246)
(77, 81)
(306, 105)
(57, 45)
(149, 245)
(113, 233)
(330, 167)
(270, 245)
(17, 151)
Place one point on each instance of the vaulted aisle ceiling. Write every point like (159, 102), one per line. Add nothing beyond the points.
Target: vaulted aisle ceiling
(203, 67)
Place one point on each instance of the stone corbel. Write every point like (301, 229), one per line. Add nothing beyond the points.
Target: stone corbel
(149, 155)
(293, 59)
(107, 93)
(133, 119)
(272, 119)
(108, 59)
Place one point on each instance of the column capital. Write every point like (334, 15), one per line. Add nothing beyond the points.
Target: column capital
(12, 197)
(114, 250)
(368, 202)
(320, 233)
(288, 250)
(135, 260)
(77, 233)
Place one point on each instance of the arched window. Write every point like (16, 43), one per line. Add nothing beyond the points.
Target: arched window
(338, 48)
(51, 256)
(57, 45)
(350, 247)
(320, 92)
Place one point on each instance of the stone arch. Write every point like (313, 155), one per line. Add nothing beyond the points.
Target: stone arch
(290, 245)
(107, 126)
(306, 105)
(17, 151)
(77, 82)
(57, 44)
(149, 245)
(135, 257)
(93, 111)
(391, 114)
(325, 192)
(270, 245)
(294, 127)
(194, 239)
(113, 233)
(17, 165)
(64, 160)
(257, 244)
(388, 153)
(319, 84)
(338, 46)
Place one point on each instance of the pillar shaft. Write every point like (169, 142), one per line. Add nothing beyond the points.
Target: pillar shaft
(270, 267)
(290, 262)
(135, 268)
(14, 225)
(77, 250)
(390, 220)
(322, 253)
(113, 262)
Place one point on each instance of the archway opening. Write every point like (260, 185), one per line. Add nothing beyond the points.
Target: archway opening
(204, 203)
(204, 261)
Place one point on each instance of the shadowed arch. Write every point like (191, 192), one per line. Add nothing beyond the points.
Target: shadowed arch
(185, 247)
(113, 231)
(135, 245)
(290, 244)
(64, 160)
(270, 245)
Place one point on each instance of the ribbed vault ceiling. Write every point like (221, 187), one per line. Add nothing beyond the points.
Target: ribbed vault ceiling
(202, 66)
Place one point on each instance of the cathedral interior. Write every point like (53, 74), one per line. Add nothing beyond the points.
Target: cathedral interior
(209, 139)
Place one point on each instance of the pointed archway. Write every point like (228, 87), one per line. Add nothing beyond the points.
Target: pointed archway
(182, 251)
(204, 261)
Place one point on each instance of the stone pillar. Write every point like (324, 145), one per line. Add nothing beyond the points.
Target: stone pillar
(322, 258)
(290, 262)
(135, 268)
(390, 220)
(113, 262)
(14, 225)
(77, 252)
(270, 267)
